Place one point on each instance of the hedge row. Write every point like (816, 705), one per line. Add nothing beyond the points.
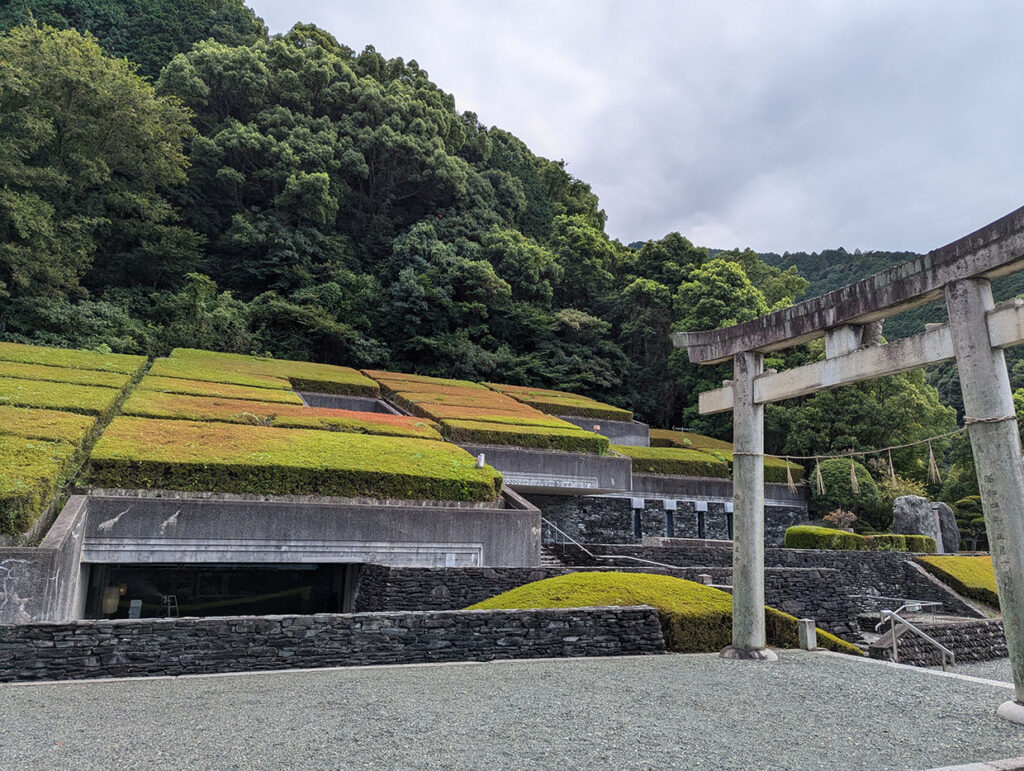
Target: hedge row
(300, 375)
(673, 461)
(813, 537)
(223, 457)
(33, 470)
(72, 359)
(694, 618)
(89, 377)
(542, 437)
(68, 397)
(156, 404)
(50, 425)
(973, 577)
(562, 402)
(174, 385)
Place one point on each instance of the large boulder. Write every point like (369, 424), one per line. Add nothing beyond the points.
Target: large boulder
(912, 515)
(950, 529)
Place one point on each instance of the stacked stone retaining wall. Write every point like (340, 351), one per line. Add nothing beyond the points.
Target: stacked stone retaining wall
(183, 646)
(982, 640)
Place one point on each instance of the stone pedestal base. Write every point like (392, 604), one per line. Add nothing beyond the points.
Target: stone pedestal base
(1013, 711)
(741, 654)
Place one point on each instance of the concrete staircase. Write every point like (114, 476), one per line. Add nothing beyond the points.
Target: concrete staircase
(549, 559)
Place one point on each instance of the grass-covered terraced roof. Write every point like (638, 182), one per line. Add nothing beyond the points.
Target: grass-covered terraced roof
(674, 461)
(972, 576)
(570, 439)
(50, 425)
(156, 404)
(175, 385)
(663, 437)
(91, 377)
(400, 381)
(200, 371)
(73, 359)
(68, 397)
(300, 375)
(32, 471)
(563, 402)
(695, 618)
(223, 457)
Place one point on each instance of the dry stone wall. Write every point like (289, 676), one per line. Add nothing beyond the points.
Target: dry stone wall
(982, 640)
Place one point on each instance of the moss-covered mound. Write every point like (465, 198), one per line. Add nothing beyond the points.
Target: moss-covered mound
(223, 457)
(50, 425)
(68, 397)
(31, 470)
(156, 404)
(174, 385)
(695, 618)
(663, 437)
(572, 439)
(89, 377)
(814, 537)
(562, 402)
(300, 375)
(673, 461)
(973, 577)
(73, 359)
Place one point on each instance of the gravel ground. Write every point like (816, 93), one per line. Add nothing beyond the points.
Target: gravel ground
(807, 711)
(998, 669)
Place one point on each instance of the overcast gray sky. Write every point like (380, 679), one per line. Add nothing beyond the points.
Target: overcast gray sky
(779, 125)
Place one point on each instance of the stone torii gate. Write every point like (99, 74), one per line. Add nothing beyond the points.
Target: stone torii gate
(974, 337)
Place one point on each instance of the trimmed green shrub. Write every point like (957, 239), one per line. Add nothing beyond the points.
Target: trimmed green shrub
(74, 359)
(302, 375)
(542, 437)
(85, 400)
(31, 471)
(51, 425)
(673, 461)
(156, 404)
(812, 537)
(815, 537)
(663, 437)
(835, 473)
(694, 618)
(89, 377)
(174, 385)
(223, 457)
(973, 577)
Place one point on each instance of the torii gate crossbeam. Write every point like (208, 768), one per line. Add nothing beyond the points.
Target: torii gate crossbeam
(974, 337)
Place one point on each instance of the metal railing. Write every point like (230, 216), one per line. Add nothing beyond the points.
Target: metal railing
(894, 617)
(556, 531)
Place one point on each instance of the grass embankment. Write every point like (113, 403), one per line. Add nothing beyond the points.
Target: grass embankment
(815, 537)
(562, 402)
(174, 385)
(973, 577)
(68, 397)
(774, 468)
(673, 461)
(223, 457)
(695, 618)
(32, 471)
(156, 404)
(472, 414)
(72, 359)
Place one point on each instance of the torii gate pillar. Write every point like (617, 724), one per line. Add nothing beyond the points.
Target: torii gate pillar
(997, 457)
(748, 632)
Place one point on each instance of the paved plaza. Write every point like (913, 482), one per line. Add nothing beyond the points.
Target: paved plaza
(809, 710)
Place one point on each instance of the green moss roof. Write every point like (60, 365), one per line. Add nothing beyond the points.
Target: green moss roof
(401, 381)
(222, 457)
(663, 437)
(32, 470)
(86, 400)
(562, 402)
(572, 439)
(51, 425)
(174, 385)
(694, 617)
(200, 370)
(89, 377)
(972, 576)
(156, 404)
(673, 461)
(74, 359)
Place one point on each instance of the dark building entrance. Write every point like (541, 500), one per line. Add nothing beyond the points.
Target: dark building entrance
(151, 591)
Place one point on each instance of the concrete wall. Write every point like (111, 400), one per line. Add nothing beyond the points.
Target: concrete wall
(182, 646)
(969, 641)
(42, 583)
(628, 432)
(556, 473)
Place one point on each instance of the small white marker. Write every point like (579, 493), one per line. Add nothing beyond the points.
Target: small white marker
(480, 460)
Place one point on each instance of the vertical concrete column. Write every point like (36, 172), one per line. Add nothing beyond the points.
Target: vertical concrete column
(748, 634)
(992, 427)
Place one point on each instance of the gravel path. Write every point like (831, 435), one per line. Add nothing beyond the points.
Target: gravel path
(807, 711)
(998, 669)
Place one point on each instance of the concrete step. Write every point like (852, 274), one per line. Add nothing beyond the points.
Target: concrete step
(549, 559)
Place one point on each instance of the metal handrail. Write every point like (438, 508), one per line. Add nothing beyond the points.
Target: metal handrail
(893, 616)
(593, 556)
